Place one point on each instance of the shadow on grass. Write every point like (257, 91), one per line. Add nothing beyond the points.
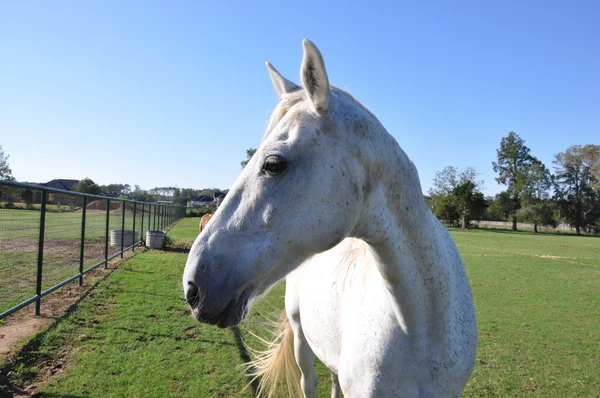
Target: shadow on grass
(184, 250)
(244, 354)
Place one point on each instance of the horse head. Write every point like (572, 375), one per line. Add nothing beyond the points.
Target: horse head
(300, 194)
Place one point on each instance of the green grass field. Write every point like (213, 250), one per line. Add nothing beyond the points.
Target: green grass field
(19, 237)
(536, 296)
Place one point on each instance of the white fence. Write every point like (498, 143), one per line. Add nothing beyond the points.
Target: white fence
(522, 226)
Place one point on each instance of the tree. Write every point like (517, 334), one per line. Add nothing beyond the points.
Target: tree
(187, 194)
(541, 213)
(5, 171)
(535, 195)
(590, 155)
(455, 195)
(449, 178)
(513, 161)
(141, 195)
(470, 203)
(27, 197)
(126, 190)
(249, 153)
(87, 185)
(500, 207)
(114, 190)
(575, 182)
(444, 208)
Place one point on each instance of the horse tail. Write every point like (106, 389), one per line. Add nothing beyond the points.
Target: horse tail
(275, 367)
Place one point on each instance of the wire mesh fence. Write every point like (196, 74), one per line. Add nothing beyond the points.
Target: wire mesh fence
(50, 237)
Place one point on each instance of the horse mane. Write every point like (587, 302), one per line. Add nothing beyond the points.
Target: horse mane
(357, 257)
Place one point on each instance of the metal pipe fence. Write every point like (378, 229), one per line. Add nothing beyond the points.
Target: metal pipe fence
(50, 237)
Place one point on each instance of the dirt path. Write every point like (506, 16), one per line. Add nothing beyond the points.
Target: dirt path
(10, 334)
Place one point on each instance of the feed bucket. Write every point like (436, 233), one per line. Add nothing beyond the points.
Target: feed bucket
(155, 239)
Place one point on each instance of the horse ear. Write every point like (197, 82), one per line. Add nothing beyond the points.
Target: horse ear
(314, 76)
(281, 84)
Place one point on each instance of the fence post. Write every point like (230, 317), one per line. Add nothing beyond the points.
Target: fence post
(154, 219)
(107, 232)
(122, 227)
(142, 236)
(82, 246)
(133, 241)
(38, 287)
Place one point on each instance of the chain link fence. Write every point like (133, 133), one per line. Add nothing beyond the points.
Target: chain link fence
(50, 237)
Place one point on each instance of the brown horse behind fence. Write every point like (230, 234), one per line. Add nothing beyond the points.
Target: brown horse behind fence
(204, 220)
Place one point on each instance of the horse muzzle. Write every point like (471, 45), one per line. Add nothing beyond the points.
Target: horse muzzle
(231, 314)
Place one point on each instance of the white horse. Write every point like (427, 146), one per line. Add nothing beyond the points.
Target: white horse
(375, 285)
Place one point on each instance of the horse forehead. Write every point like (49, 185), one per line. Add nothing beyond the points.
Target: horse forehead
(345, 116)
(295, 129)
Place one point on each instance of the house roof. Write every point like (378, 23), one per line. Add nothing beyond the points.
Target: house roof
(61, 183)
(203, 198)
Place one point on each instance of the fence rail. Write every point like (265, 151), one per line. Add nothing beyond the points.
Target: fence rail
(51, 237)
(526, 226)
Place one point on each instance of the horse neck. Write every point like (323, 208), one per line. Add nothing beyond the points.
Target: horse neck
(408, 242)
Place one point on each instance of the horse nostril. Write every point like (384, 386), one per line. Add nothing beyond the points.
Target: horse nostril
(191, 294)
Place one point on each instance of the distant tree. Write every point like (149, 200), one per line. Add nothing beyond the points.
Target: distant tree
(470, 204)
(450, 177)
(5, 171)
(513, 161)
(186, 195)
(456, 196)
(249, 153)
(536, 205)
(500, 207)
(541, 213)
(87, 185)
(590, 156)
(579, 201)
(164, 193)
(114, 190)
(27, 197)
(444, 207)
(141, 195)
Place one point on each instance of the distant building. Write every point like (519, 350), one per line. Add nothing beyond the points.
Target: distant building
(61, 183)
(201, 201)
(58, 198)
(207, 201)
(219, 199)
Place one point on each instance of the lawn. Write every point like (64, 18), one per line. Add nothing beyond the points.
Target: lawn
(536, 296)
(19, 238)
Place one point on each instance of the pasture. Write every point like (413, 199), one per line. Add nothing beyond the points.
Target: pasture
(536, 296)
(19, 243)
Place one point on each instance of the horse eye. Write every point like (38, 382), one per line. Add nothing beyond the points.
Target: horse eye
(274, 165)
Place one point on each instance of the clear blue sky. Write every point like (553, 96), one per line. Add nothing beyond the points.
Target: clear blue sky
(172, 93)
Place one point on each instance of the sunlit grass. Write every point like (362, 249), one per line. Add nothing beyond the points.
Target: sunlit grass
(537, 302)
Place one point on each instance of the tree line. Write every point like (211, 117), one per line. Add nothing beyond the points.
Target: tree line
(533, 193)
(175, 195)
